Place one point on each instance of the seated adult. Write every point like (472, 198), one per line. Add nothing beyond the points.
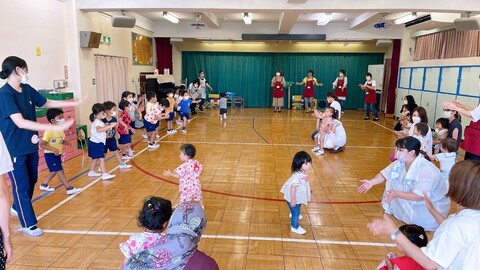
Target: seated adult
(178, 248)
(407, 180)
(456, 243)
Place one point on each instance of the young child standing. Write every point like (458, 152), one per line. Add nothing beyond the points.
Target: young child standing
(112, 135)
(188, 175)
(184, 109)
(149, 122)
(96, 144)
(125, 129)
(416, 234)
(170, 111)
(447, 157)
(222, 103)
(52, 143)
(153, 218)
(296, 191)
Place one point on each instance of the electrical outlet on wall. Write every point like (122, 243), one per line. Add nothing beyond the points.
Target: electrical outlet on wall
(93, 81)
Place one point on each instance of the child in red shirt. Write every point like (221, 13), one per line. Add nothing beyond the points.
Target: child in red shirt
(123, 129)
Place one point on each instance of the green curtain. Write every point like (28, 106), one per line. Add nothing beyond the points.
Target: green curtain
(249, 74)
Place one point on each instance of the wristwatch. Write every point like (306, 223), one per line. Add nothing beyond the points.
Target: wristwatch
(395, 234)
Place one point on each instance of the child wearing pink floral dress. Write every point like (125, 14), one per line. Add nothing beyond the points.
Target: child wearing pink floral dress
(188, 175)
(154, 216)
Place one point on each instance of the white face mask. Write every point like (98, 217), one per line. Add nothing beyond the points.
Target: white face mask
(25, 77)
(437, 130)
(405, 101)
(170, 95)
(401, 156)
(130, 100)
(113, 113)
(447, 114)
(368, 78)
(416, 119)
(278, 74)
(175, 96)
(341, 74)
(61, 121)
(186, 98)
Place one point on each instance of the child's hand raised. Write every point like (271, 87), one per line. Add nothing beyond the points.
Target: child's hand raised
(167, 173)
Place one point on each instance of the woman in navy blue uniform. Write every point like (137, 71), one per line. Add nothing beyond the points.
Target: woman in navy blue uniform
(19, 128)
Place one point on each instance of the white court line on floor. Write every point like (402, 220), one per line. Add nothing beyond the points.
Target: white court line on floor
(238, 237)
(70, 197)
(382, 126)
(275, 144)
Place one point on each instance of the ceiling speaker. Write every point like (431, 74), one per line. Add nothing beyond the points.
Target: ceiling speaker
(89, 39)
(123, 21)
(464, 24)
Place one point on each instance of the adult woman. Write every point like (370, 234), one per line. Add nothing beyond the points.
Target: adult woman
(370, 96)
(455, 244)
(194, 89)
(411, 105)
(340, 87)
(17, 120)
(471, 143)
(178, 249)
(278, 83)
(309, 91)
(454, 125)
(407, 180)
(202, 92)
(419, 114)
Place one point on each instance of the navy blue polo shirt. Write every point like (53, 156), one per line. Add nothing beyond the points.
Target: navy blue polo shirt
(19, 141)
(111, 132)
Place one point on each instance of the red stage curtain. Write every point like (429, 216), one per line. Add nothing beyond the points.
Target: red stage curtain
(164, 54)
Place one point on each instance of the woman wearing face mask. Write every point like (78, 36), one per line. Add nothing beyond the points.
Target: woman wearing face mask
(454, 125)
(18, 126)
(203, 85)
(370, 96)
(408, 179)
(419, 114)
(194, 91)
(309, 91)
(278, 83)
(340, 87)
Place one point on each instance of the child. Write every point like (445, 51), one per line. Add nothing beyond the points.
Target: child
(420, 132)
(6, 166)
(401, 119)
(447, 157)
(96, 144)
(153, 218)
(416, 234)
(52, 143)
(441, 131)
(188, 175)
(324, 129)
(296, 191)
(184, 109)
(124, 130)
(151, 123)
(112, 135)
(170, 111)
(222, 102)
(177, 98)
(154, 116)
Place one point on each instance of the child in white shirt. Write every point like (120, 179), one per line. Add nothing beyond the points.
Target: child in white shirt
(447, 157)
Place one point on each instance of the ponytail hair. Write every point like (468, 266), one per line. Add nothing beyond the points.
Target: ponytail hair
(96, 109)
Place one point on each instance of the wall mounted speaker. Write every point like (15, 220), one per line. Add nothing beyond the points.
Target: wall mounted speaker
(464, 24)
(384, 43)
(89, 39)
(123, 21)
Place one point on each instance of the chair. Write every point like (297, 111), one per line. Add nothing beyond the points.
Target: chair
(238, 100)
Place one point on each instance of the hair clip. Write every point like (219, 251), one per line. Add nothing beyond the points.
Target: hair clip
(421, 236)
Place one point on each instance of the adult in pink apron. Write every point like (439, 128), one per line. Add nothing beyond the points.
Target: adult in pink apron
(309, 90)
(278, 83)
(340, 87)
(370, 96)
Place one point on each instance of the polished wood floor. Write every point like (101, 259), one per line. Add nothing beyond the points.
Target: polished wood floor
(246, 160)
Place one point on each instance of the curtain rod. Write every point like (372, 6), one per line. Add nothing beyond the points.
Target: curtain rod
(104, 55)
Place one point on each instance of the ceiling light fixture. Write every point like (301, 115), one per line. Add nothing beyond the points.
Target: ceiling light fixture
(406, 18)
(324, 18)
(170, 17)
(247, 18)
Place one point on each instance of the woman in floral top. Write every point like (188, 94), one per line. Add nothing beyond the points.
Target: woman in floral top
(188, 175)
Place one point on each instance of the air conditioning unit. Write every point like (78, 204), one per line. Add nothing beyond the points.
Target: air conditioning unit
(175, 41)
(384, 43)
(464, 24)
(123, 21)
(433, 20)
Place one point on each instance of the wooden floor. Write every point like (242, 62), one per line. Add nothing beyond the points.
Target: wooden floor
(246, 159)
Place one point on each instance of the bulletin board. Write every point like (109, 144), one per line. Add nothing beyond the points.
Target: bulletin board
(142, 50)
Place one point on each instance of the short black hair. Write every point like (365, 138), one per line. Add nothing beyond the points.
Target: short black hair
(182, 87)
(125, 94)
(222, 94)
(342, 71)
(196, 81)
(109, 105)
(123, 104)
(183, 92)
(416, 234)
(310, 71)
(164, 102)
(368, 74)
(410, 143)
(422, 128)
(189, 150)
(155, 213)
(169, 91)
(150, 95)
(299, 159)
(52, 113)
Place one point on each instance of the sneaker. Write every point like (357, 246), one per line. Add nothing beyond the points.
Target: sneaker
(184, 130)
(224, 116)
(174, 131)
(13, 212)
(202, 111)
(320, 152)
(94, 174)
(153, 146)
(126, 157)
(316, 148)
(107, 176)
(366, 118)
(300, 217)
(124, 166)
(179, 122)
(73, 190)
(157, 137)
(375, 119)
(46, 187)
(32, 231)
(298, 230)
(144, 135)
